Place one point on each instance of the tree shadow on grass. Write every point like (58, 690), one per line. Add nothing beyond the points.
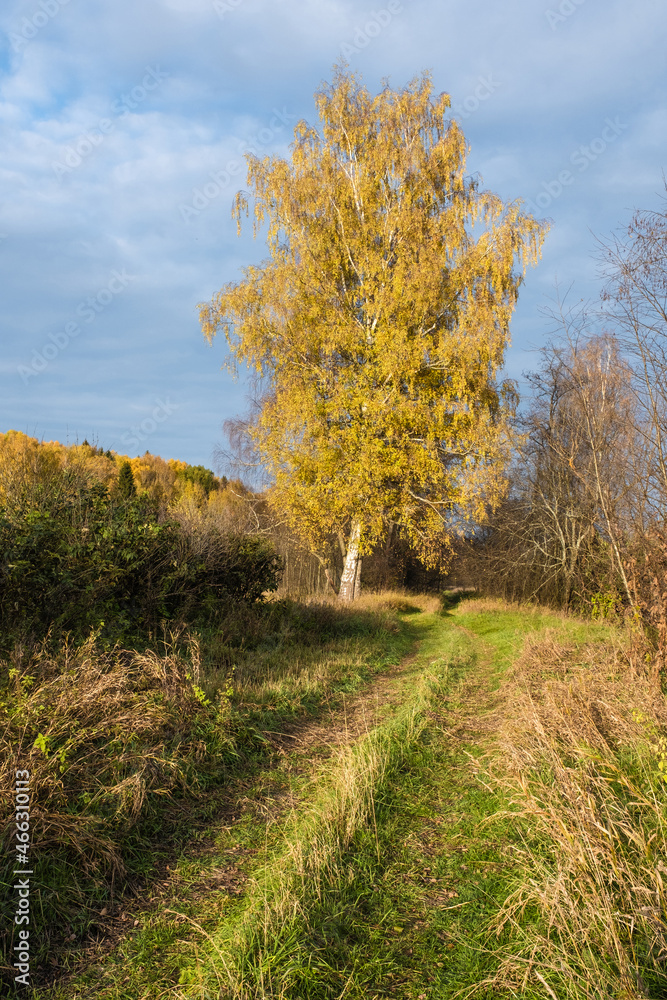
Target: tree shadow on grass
(450, 599)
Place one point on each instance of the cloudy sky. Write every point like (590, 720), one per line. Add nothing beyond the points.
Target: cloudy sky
(124, 124)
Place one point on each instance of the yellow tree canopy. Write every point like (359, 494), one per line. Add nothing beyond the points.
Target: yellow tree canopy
(378, 324)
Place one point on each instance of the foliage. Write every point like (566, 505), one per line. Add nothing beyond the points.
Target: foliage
(76, 555)
(202, 476)
(126, 486)
(605, 606)
(76, 558)
(378, 325)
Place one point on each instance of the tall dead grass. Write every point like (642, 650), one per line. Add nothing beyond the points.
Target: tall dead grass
(99, 732)
(489, 605)
(106, 736)
(582, 753)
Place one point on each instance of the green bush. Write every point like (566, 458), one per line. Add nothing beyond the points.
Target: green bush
(201, 476)
(75, 557)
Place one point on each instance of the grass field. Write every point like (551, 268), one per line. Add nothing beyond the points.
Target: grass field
(419, 800)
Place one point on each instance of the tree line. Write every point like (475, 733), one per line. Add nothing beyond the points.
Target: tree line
(582, 524)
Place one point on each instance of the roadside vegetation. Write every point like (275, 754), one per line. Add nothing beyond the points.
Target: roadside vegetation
(90, 540)
(412, 795)
(486, 819)
(129, 752)
(416, 796)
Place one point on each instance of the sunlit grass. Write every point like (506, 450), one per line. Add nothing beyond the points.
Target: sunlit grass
(498, 831)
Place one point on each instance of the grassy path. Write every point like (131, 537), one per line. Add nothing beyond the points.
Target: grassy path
(367, 859)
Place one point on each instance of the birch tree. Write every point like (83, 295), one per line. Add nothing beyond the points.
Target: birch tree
(379, 321)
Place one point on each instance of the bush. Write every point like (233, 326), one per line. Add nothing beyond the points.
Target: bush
(75, 556)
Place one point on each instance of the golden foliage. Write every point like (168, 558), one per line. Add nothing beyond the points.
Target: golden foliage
(379, 322)
(28, 465)
(153, 474)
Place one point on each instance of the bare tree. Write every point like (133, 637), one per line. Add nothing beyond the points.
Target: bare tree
(567, 511)
(635, 299)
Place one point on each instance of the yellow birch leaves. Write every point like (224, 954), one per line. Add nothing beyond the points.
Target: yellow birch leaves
(379, 321)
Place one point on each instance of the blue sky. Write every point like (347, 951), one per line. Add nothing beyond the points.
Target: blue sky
(123, 126)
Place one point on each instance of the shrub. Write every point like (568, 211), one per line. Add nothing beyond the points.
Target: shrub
(74, 556)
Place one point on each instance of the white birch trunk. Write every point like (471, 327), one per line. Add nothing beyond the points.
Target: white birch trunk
(350, 582)
(357, 580)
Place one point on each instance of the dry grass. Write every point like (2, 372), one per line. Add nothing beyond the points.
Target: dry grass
(394, 600)
(489, 605)
(105, 737)
(104, 729)
(401, 601)
(582, 754)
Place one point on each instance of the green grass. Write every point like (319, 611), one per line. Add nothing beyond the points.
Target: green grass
(262, 841)
(301, 658)
(368, 871)
(289, 661)
(321, 920)
(411, 912)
